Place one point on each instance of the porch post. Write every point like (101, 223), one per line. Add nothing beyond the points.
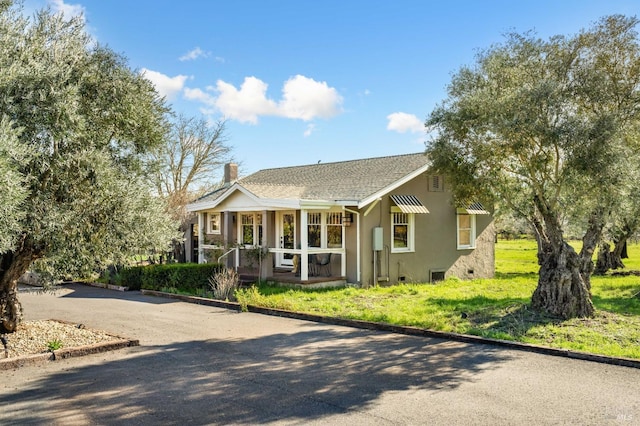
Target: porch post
(227, 236)
(343, 255)
(357, 216)
(304, 245)
(266, 269)
(201, 258)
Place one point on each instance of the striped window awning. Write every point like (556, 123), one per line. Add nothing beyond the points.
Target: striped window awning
(473, 208)
(409, 204)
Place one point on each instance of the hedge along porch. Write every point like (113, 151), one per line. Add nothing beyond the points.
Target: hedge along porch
(381, 219)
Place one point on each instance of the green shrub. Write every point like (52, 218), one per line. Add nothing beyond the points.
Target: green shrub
(184, 277)
(130, 277)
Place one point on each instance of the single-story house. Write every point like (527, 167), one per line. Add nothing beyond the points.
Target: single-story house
(365, 221)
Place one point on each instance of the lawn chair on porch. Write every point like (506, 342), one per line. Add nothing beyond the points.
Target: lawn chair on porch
(323, 262)
(313, 266)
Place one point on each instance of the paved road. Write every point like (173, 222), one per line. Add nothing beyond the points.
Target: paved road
(204, 365)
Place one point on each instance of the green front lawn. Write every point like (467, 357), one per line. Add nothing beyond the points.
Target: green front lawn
(497, 308)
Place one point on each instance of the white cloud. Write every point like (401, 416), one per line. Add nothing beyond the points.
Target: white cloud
(199, 95)
(194, 54)
(167, 86)
(246, 104)
(302, 98)
(310, 129)
(402, 122)
(68, 10)
(306, 99)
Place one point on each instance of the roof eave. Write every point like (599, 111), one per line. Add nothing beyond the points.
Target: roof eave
(208, 205)
(396, 184)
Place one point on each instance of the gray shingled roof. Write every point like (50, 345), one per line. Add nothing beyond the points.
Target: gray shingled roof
(344, 180)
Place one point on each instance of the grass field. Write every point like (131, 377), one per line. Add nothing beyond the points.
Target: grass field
(497, 308)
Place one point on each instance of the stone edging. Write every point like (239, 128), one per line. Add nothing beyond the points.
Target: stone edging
(107, 286)
(12, 363)
(412, 331)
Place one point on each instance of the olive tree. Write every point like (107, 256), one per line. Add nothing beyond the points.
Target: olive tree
(543, 127)
(12, 183)
(76, 124)
(625, 220)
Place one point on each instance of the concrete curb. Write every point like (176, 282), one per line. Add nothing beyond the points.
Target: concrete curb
(37, 359)
(412, 331)
(24, 361)
(94, 349)
(107, 286)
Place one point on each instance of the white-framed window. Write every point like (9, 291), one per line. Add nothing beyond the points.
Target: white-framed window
(466, 231)
(213, 223)
(250, 232)
(324, 229)
(334, 229)
(314, 230)
(402, 231)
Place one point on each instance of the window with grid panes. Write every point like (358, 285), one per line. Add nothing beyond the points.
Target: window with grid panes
(401, 231)
(314, 227)
(466, 231)
(246, 230)
(334, 229)
(214, 223)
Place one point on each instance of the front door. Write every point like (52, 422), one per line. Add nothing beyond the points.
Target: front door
(287, 236)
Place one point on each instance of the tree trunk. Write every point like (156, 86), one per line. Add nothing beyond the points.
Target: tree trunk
(179, 253)
(562, 290)
(564, 279)
(592, 237)
(612, 259)
(604, 262)
(619, 252)
(13, 265)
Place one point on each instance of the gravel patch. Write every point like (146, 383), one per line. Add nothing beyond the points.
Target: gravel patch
(34, 337)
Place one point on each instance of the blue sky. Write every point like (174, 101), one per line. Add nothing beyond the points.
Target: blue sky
(307, 81)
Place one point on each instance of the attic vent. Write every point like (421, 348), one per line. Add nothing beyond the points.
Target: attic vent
(436, 183)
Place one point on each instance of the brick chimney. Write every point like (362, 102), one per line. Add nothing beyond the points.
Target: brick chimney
(230, 172)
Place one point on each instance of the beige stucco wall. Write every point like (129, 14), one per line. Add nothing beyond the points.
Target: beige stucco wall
(435, 241)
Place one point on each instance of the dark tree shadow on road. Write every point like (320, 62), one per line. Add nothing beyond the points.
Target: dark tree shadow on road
(299, 377)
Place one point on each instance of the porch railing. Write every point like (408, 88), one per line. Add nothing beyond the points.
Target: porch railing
(227, 253)
(310, 250)
(275, 251)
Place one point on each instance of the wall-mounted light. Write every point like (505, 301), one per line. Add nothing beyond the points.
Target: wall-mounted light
(347, 219)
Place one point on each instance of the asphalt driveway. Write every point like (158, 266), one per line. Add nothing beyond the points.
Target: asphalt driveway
(205, 365)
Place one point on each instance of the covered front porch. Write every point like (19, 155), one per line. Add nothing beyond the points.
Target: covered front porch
(324, 268)
(306, 247)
